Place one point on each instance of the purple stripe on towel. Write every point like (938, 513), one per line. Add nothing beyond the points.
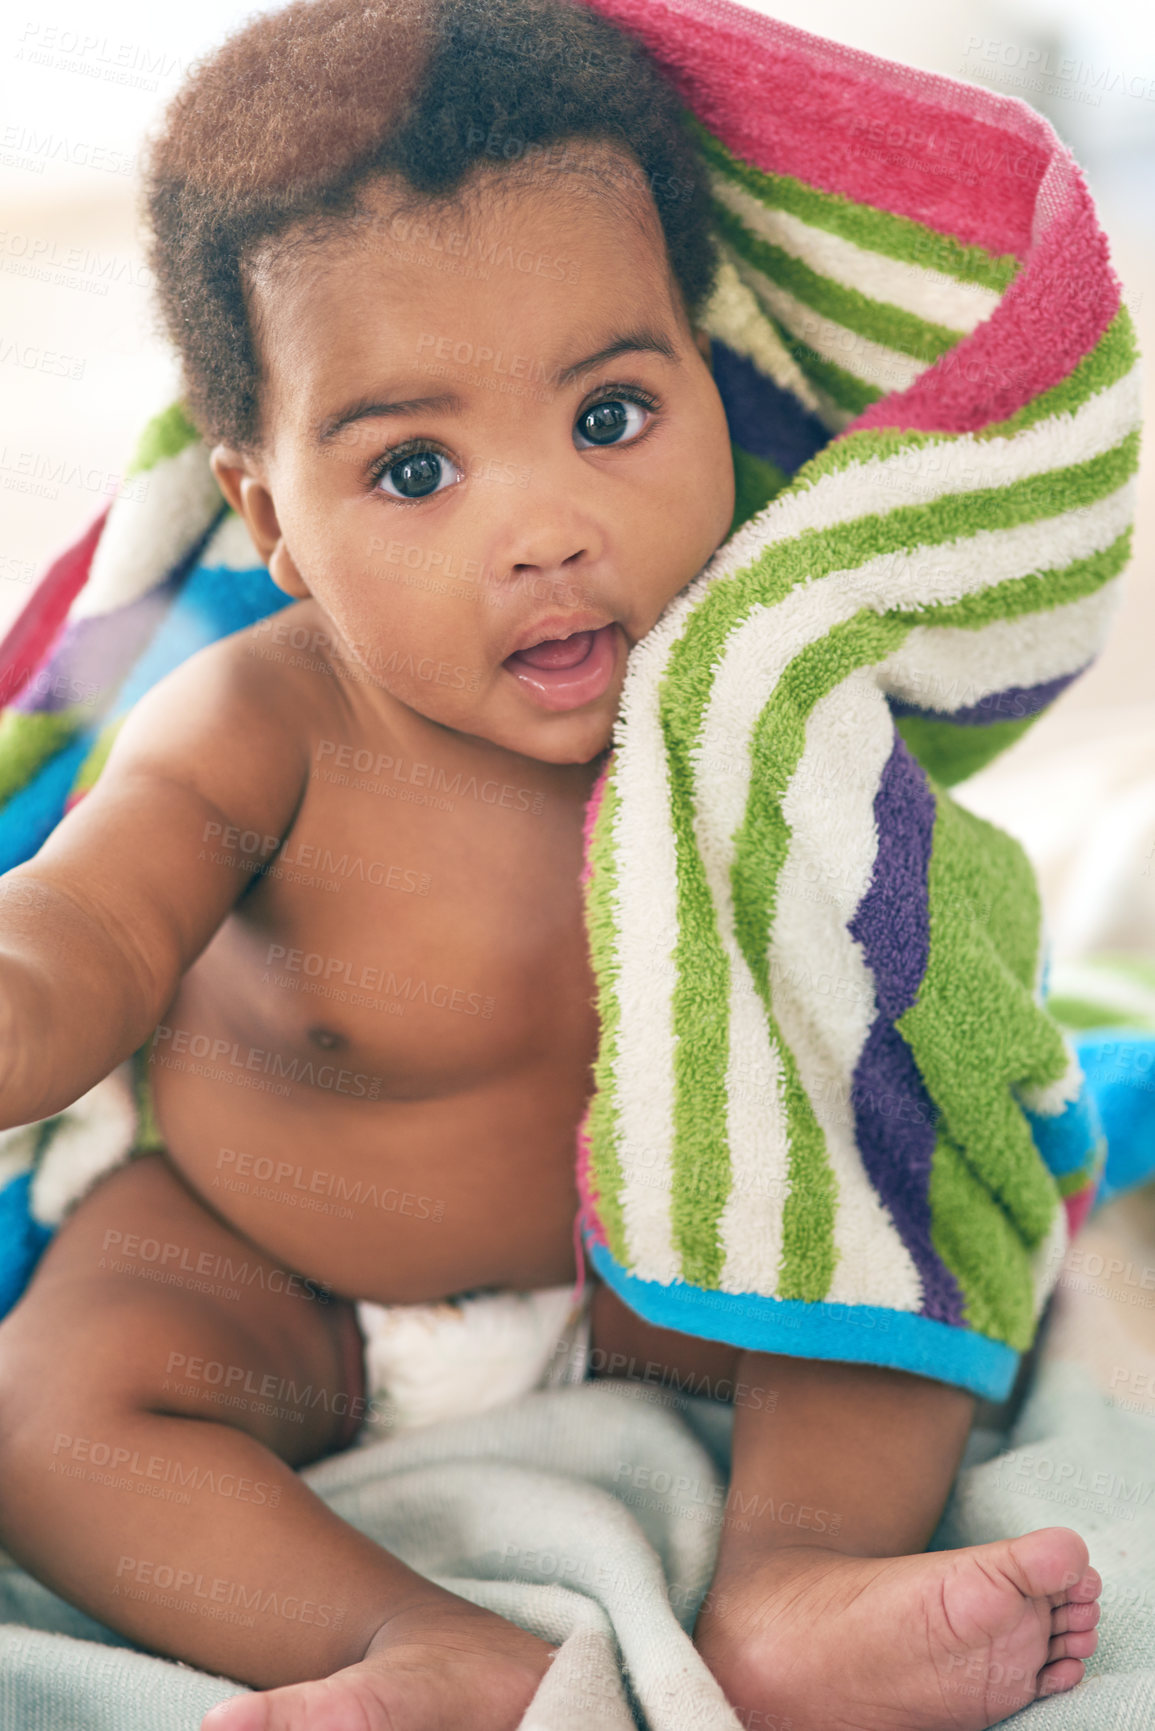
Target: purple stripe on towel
(892, 922)
(894, 1116)
(93, 654)
(764, 419)
(1013, 704)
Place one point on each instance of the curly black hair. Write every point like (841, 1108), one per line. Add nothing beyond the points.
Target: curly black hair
(283, 125)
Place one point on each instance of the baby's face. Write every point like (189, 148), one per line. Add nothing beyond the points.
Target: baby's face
(456, 471)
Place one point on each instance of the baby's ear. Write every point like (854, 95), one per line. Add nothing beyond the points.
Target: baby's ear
(229, 469)
(248, 495)
(702, 339)
(251, 499)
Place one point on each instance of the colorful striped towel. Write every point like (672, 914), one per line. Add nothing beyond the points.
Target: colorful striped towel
(831, 1116)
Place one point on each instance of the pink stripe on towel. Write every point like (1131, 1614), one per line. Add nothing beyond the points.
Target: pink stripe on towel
(1050, 317)
(954, 156)
(593, 806)
(39, 624)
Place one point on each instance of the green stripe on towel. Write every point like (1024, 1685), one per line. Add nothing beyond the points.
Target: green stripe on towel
(878, 320)
(165, 436)
(29, 739)
(975, 1029)
(605, 1163)
(880, 231)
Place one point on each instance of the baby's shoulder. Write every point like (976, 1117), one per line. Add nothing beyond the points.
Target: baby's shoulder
(276, 671)
(233, 710)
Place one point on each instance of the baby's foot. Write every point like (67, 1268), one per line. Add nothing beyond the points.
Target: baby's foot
(946, 1641)
(433, 1668)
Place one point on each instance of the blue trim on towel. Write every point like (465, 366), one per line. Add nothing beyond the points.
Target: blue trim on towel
(1118, 1065)
(22, 1239)
(33, 812)
(854, 1333)
(1067, 1140)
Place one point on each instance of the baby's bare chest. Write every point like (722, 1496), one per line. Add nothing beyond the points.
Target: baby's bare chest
(420, 919)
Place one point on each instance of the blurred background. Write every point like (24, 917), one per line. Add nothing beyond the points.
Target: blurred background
(81, 367)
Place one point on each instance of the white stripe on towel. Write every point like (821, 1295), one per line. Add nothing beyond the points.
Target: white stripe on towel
(930, 295)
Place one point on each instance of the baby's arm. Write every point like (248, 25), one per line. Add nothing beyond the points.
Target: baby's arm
(247, 1572)
(97, 929)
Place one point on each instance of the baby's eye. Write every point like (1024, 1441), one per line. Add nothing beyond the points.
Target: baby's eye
(604, 423)
(414, 476)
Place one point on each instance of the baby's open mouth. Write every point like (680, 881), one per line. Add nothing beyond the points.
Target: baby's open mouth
(556, 651)
(565, 672)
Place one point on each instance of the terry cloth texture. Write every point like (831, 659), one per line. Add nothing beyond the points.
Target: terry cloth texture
(832, 1117)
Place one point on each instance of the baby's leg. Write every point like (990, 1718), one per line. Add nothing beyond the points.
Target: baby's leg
(822, 1610)
(132, 1488)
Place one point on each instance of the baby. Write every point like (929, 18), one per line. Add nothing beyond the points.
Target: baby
(422, 338)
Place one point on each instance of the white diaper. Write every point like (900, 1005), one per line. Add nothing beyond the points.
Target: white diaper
(425, 1362)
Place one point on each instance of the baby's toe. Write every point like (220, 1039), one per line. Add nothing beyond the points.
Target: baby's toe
(239, 1713)
(1079, 1645)
(1083, 1614)
(1057, 1678)
(1088, 1586)
(341, 1702)
(1050, 1563)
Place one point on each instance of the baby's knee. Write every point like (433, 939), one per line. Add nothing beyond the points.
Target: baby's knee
(58, 1371)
